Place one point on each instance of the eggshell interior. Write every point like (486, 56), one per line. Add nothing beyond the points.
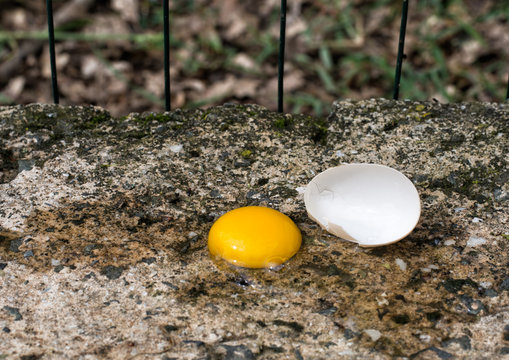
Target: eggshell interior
(370, 204)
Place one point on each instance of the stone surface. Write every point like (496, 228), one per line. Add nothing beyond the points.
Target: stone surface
(114, 215)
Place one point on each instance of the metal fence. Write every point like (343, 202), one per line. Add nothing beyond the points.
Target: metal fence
(281, 55)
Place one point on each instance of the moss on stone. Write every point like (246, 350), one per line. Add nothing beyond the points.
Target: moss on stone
(246, 154)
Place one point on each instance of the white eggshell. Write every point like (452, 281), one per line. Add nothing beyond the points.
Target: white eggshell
(369, 204)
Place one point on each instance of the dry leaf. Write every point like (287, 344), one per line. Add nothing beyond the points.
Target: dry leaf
(128, 9)
(244, 61)
(15, 87)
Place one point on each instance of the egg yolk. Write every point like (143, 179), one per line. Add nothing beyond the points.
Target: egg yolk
(254, 237)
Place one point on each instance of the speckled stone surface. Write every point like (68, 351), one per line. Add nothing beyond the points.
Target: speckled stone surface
(103, 234)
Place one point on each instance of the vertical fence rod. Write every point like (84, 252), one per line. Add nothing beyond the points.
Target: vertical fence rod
(401, 49)
(166, 16)
(281, 57)
(51, 38)
(507, 95)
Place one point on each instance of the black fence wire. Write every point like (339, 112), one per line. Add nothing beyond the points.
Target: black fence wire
(166, 29)
(51, 38)
(401, 49)
(281, 55)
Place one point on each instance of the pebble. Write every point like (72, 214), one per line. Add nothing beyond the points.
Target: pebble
(15, 244)
(449, 242)
(176, 148)
(112, 272)
(55, 262)
(301, 189)
(14, 312)
(485, 284)
(401, 264)
(475, 241)
(476, 220)
(373, 334)
(425, 338)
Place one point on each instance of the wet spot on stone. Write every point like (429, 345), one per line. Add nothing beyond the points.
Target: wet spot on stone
(170, 285)
(473, 306)
(504, 285)
(8, 166)
(31, 357)
(88, 250)
(109, 231)
(112, 272)
(215, 194)
(149, 260)
(25, 165)
(170, 328)
(328, 311)
(333, 270)
(349, 334)
(196, 343)
(298, 354)
(454, 141)
(506, 333)
(3, 266)
(88, 276)
(240, 280)
(455, 285)
(58, 268)
(290, 324)
(433, 316)
(15, 244)
(6, 330)
(262, 181)
(439, 352)
(378, 251)
(14, 312)
(238, 352)
(463, 341)
(272, 348)
(400, 297)
(489, 293)
(283, 192)
(197, 291)
(382, 313)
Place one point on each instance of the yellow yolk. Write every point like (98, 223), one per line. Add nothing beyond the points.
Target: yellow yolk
(254, 237)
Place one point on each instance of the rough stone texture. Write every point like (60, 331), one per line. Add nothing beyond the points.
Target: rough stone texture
(103, 230)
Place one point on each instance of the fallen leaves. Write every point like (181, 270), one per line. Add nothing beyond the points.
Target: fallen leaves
(227, 50)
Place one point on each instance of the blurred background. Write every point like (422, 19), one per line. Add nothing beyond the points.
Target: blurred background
(110, 53)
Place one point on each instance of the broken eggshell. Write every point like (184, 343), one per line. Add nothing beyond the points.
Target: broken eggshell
(370, 204)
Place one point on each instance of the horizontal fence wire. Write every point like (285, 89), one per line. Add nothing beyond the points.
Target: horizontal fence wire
(507, 95)
(281, 55)
(51, 40)
(401, 49)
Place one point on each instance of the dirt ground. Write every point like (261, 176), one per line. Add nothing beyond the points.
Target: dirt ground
(109, 53)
